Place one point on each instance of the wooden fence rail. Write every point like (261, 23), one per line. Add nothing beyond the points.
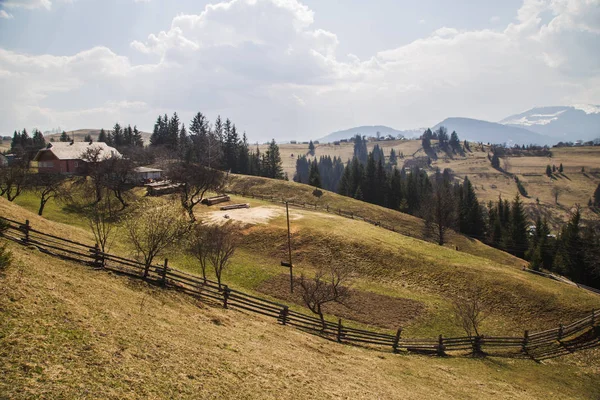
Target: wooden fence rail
(211, 291)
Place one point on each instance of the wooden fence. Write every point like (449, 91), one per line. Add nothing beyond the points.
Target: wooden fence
(578, 335)
(402, 230)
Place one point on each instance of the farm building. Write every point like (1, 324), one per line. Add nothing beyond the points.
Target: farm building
(145, 174)
(65, 157)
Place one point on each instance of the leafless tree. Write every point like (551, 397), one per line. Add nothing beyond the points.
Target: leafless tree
(118, 177)
(224, 240)
(195, 181)
(102, 217)
(93, 158)
(199, 245)
(439, 209)
(469, 311)
(151, 229)
(47, 186)
(14, 179)
(556, 191)
(326, 286)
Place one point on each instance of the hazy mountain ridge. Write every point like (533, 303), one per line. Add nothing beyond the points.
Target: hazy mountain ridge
(370, 130)
(566, 123)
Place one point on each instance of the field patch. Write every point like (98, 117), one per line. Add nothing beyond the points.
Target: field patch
(366, 307)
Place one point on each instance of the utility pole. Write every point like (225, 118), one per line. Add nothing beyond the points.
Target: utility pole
(289, 263)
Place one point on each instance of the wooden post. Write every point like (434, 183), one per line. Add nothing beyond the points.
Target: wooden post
(477, 344)
(283, 314)
(396, 340)
(525, 341)
(26, 229)
(440, 347)
(97, 261)
(339, 331)
(287, 213)
(593, 317)
(560, 331)
(164, 272)
(226, 291)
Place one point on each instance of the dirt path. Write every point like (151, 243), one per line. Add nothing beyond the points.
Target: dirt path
(252, 215)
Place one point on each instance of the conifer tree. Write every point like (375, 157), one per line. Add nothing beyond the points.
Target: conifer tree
(314, 178)
(518, 228)
(311, 148)
(102, 136)
(63, 136)
(272, 162)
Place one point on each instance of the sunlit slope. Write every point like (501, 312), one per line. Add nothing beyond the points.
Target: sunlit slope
(69, 332)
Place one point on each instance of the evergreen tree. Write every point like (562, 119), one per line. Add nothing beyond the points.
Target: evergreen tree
(244, 156)
(138, 141)
(518, 228)
(560, 168)
(63, 136)
(495, 161)
(314, 178)
(117, 135)
(102, 136)
(88, 138)
(360, 149)
(393, 161)
(454, 142)
(596, 201)
(173, 132)
(38, 140)
(272, 162)
(426, 139)
(549, 170)
(311, 148)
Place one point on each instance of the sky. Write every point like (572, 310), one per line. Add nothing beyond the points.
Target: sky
(292, 69)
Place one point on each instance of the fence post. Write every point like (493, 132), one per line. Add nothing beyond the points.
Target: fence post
(97, 260)
(352, 215)
(283, 314)
(396, 340)
(525, 341)
(164, 272)
(560, 331)
(477, 344)
(339, 331)
(226, 291)
(593, 317)
(440, 347)
(26, 229)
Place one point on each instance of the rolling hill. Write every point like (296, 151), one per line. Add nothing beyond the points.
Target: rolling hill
(369, 131)
(489, 132)
(79, 134)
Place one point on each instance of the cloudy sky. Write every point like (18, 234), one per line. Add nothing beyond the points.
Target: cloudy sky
(292, 69)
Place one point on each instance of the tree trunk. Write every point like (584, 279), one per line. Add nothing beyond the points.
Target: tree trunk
(42, 205)
(323, 326)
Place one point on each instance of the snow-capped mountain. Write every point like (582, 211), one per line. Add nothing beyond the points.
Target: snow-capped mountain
(576, 122)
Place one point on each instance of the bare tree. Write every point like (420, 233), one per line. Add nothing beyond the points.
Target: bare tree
(118, 177)
(326, 286)
(47, 186)
(439, 209)
(224, 240)
(102, 217)
(556, 191)
(469, 311)
(94, 168)
(14, 179)
(199, 245)
(151, 229)
(195, 180)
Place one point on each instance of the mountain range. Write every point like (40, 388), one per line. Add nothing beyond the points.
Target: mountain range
(540, 125)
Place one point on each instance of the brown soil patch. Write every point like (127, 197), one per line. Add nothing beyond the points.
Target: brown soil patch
(365, 307)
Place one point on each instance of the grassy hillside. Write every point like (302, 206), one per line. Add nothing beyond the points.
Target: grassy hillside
(69, 332)
(576, 187)
(401, 268)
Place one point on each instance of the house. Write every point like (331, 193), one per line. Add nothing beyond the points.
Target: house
(145, 174)
(66, 157)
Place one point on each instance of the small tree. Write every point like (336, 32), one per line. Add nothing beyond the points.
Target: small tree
(224, 240)
(495, 161)
(101, 217)
(14, 179)
(560, 168)
(469, 311)
(556, 191)
(199, 245)
(152, 229)
(47, 186)
(439, 210)
(549, 171)
(311, 148)
(195, 180)
(118, 177)
(326, 286)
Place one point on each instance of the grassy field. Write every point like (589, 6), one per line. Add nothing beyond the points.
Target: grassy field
(69, 332)
(385, 263)
(576, 187)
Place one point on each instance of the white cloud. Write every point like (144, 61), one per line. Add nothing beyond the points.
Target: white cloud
(141, 1)
(250, 59)
(5, 15)
(28, 4)
(494, 19)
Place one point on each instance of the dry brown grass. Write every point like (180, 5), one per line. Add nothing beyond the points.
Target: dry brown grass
(69, 332)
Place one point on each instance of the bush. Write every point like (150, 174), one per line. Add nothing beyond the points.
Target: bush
(5, 257)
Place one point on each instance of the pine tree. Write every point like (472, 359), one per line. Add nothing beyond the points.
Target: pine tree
(88, 138)
(272, 162)
(117, 135)
(454, 142)
(314, 178)
(495, 161)
(560, 168)
(63, 137)
(244, 156)
(138, 141)
(311, 148)
(549, 170)
(38, 140)
(173, 132)
(360, 149)
(393, 158)
(596, 201)
(518, 228)
(102, 136)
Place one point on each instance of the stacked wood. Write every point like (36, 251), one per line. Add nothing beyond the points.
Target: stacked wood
(216, 200)
(235, 206)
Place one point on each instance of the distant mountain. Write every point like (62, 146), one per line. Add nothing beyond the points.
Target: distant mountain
(483, 131)
(369, 131)
(580, 121)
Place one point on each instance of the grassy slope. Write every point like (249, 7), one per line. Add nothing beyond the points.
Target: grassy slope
(69, 332)
(576, 186)
(386, 263)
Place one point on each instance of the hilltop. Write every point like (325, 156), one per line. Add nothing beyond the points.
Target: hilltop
(79, 134)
